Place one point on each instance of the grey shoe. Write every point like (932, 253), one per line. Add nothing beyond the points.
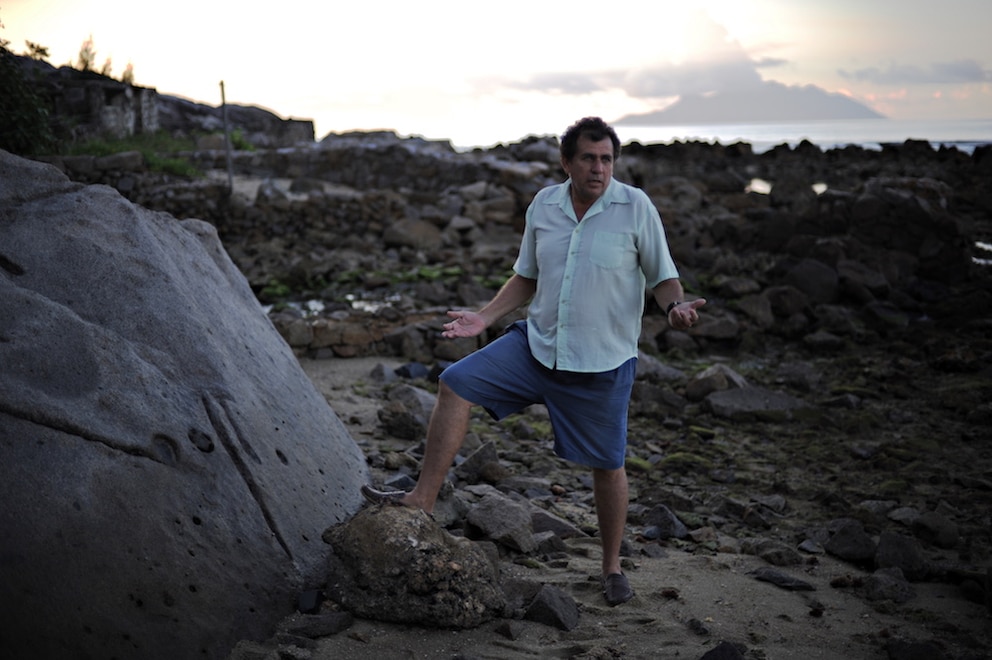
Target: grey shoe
(389, 497)
(616, 589)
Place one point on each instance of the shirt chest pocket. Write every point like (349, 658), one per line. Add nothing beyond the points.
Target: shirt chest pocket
(612, 250)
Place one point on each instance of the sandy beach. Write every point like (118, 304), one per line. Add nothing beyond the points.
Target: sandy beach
(688, 600)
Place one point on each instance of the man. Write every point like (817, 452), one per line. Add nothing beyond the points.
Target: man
(590, 248)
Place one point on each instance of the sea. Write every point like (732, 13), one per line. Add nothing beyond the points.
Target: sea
(963, 134)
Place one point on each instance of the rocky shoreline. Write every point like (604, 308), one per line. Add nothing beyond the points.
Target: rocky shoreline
(865, 542)
(831, 411)
(823, 411)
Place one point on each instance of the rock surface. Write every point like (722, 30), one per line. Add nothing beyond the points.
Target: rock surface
(396, 564)
(166, 467)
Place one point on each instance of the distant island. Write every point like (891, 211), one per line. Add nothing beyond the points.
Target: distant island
(771, 101)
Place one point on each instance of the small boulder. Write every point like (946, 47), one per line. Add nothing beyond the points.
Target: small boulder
(395, 563)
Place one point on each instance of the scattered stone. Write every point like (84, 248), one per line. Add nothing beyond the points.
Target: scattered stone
(811, 547)
(662, 523)
(542, 521)
(724, 651)
(850, 542)
(316, 625)
(903, 649)
(712, 379)
(754, 403)
(472, 468)
(932, 527)
(698, 627)
(902, 552)
(512, 630)
(504, 521)
(553, 607)
(780, 579)
(888, 584)
(774, 552)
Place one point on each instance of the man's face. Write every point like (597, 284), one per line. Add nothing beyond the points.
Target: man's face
(590, 169)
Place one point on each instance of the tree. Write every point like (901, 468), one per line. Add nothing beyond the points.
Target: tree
(24, 113)
(87, 55)
(128, 76)
(24, 127)
(36, 51)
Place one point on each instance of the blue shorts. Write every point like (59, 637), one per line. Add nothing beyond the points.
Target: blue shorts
(588, 410)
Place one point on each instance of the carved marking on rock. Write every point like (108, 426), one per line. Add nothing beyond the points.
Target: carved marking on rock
(221, 419)
(158, 453)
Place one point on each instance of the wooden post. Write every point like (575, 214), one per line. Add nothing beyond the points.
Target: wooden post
(227, 140)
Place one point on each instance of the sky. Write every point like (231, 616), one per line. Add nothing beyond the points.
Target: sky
(482, 73)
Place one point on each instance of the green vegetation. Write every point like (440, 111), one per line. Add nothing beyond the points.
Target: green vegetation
(685, 462)
(275, 291)
(428, 274)
(635, 463)
(153, 146)
(240, 142)
(493, 282)
(25, 127)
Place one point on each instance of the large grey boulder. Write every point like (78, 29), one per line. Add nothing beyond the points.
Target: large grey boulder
(166, 467)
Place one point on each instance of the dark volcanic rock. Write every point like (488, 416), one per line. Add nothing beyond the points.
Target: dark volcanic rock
(394, 563)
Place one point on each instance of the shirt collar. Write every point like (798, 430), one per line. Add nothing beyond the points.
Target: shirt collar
(614, 194)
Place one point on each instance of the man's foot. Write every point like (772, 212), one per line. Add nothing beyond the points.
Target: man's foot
(616, 589)
(390, 497)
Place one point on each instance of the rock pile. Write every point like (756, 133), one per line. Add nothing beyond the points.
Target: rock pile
(408, 225)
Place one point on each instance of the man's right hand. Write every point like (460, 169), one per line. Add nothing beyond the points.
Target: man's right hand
(463, 324)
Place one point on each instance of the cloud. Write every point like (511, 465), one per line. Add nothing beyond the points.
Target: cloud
(692, 78)
(716, 63)
(770, 62)
(562, 83)
(957, 71)
(655, 82)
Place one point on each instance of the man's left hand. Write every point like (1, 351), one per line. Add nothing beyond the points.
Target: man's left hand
(684, 315)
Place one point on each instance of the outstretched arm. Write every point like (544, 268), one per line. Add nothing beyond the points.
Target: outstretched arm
(683, 314)
(515, 292)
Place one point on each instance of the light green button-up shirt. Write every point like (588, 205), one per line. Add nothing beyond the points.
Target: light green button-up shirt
(591, 275)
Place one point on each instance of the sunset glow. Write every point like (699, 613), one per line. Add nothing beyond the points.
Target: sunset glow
(442, 69)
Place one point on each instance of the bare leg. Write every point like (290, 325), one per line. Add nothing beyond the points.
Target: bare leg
(445, 435)
(610, 491)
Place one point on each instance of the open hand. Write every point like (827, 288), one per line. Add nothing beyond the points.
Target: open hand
(464, 324)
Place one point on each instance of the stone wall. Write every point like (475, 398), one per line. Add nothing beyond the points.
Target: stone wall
(87, 105)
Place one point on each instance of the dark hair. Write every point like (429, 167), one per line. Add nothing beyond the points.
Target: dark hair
(593, 128)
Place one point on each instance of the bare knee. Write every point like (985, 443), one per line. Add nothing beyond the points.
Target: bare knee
(600, 475)
(448, 398)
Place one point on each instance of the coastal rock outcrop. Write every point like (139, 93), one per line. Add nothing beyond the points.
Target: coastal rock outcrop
(166, 467)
